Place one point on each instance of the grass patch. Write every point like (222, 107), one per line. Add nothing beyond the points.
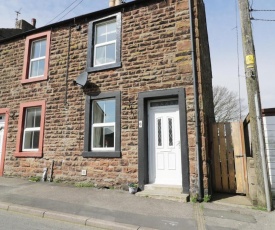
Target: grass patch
(259, 208)
(58, 180)
(207, 198)
(194, 198)
(35, 178)
(84, 185)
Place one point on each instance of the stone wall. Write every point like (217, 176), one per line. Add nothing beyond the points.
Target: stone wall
(206, 106)
(155, 54)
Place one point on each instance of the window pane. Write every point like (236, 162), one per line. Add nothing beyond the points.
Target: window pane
(98, 137)
(159, 133)
(98, 111)
(109, 137)
(33, 117)
(110, 53)
(31, 140)
(110, 109)
(41, 64)
(34, 68)
(100, 33)
(37, 68)
(111, 26)
(103, 137)
(36, 139)
(30, 116)
(37, 117)
(28, 140)
(104, 111)
(38, 49)
(35, 50)
(43, 48)
(164, 103)
(170, 128)
(111, 31)
(111, 36)
(100, 55)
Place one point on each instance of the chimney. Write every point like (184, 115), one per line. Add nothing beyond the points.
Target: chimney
(18, 24)
(117, 2)
(33, 22)
(111, 3)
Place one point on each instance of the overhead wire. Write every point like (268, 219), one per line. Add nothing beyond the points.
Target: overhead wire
(238, 58)
(264, 20)
(70, 10)
(251, 10)
(261, 10)
(64, 11)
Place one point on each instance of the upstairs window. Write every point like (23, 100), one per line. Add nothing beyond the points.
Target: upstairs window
(104, 43)
(36, 58)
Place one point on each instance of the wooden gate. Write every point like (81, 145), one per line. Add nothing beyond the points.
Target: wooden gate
(228, 158)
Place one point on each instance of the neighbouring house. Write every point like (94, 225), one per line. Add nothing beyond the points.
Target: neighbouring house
(21, 26)
(269, 133)
(268, 118)
(115, 96)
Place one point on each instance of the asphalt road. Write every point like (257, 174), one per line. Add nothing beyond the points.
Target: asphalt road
(16, 221)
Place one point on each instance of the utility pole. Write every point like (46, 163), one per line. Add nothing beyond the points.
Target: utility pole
(252, 86)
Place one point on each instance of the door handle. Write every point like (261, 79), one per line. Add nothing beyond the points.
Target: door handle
(238, 156)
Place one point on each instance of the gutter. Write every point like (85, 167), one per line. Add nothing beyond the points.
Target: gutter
(195, 85)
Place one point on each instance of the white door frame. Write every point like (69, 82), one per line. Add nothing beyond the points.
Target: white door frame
(4, 113)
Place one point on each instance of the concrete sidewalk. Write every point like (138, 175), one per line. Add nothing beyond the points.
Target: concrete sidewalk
(117, 209)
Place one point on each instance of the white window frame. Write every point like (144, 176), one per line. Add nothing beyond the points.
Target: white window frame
(30, 129)
(36, 59)
(96, 45)
(102, 125)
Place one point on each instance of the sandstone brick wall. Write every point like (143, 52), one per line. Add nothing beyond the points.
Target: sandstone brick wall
(156, 54)
(204, 89)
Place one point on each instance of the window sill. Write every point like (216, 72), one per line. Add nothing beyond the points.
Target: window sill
(30, 80)
(28, 154)
(111, 154)
(104, 67)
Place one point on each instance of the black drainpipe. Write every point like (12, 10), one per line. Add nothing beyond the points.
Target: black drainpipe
(67, 68)
(195, 85)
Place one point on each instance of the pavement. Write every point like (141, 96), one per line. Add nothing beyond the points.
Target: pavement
(118, 209)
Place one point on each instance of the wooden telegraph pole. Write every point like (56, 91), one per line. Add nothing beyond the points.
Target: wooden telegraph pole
(252, 90)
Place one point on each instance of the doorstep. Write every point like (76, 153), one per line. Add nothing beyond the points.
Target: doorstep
(164, 192)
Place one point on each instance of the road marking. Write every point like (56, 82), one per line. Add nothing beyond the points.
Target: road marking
(171, 223)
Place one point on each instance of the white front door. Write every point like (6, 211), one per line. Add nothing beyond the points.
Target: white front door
(164, 143)
(2, 126)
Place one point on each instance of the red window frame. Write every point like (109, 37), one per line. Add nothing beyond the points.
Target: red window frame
(6, 112)
(21, 123)
(28, 46)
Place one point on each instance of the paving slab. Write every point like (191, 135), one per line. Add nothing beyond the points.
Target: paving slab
(117, 209)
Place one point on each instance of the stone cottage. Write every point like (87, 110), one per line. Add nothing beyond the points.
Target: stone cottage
(115, 96)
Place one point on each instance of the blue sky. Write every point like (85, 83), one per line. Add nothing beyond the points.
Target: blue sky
(221, 21)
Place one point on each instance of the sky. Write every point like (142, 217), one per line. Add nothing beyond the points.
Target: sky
(221, 21)
(223, 29)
